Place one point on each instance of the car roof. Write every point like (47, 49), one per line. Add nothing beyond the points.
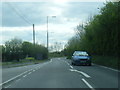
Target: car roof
(80, 51)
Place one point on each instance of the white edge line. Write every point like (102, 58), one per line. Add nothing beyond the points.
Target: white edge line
(87, 84)
(107, 67)
(110, 68)
(15, 77)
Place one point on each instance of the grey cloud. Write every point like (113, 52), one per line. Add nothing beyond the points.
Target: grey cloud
(82, 9)
(33, 12)
(36, 12)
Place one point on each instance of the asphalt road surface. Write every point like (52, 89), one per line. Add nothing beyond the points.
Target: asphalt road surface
(58, 73)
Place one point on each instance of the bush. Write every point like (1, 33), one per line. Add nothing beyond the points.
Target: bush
(30, 58)
(109, 61)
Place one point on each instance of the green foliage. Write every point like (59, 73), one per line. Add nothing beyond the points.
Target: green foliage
(100, 35)
(15, 49)
(109, 61)
(30, 58)
(56, 54)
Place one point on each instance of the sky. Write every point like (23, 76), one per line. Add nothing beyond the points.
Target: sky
(18, 18)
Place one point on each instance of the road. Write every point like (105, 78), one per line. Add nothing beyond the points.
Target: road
(58, 73)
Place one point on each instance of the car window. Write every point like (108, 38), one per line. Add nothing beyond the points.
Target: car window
(80, 54)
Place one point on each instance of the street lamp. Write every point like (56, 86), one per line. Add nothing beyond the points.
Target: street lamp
(48, 32)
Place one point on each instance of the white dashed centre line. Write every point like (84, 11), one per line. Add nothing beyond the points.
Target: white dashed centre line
(33, 70)
(86, 75)
(71, 67)
(29, 72)
(18, 80)
(87, 84)
(24, 75)
(8, 86)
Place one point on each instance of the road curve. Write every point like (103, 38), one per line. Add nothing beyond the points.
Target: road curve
(58, 73)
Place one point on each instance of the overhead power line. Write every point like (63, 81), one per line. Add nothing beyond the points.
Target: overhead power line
(19, 14)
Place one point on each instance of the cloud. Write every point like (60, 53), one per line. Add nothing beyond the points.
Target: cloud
(20, 13)
(18, 17)
(57, 33)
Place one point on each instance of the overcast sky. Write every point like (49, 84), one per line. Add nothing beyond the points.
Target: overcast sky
(18, 17)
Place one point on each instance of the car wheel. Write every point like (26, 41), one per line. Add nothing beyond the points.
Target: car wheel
(89, 64)
(72, 63)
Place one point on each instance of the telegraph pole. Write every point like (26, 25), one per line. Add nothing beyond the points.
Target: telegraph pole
(33, 35)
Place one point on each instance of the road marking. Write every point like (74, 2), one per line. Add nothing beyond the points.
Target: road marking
(18, 80)
(24, 75)
(30, 70)
(14, 78)
(110, 68)
(17, 76)
(107, 67)
(29, 73)
(51, 60)
(67, 63)
(33, 70)
(7, 86)
(86, 75)
(71, 66)
(87, 84)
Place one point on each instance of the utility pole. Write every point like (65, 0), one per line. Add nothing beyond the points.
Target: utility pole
(47, 34)
(33, 35)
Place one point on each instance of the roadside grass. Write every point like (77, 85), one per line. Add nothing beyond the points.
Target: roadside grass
(109, 61)
(69, 57)
(0, 63)
(23, 62)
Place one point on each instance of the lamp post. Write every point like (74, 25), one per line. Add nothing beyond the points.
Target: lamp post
(33, 35)
(48, 32)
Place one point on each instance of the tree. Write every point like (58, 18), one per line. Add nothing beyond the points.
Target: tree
(13, 49)
(35, 51)
(27, 48)
(100, 34)
(2, 53)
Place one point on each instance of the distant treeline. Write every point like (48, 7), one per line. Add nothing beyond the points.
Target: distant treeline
(99, 35)
(16, 49)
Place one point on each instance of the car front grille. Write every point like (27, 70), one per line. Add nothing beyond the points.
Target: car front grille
(83, 59)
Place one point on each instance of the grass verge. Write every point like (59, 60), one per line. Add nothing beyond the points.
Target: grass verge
(109, 61)
(22, 62)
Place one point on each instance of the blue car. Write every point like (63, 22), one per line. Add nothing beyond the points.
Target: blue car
(81, 57)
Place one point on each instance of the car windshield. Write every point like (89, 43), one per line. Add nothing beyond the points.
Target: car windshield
(80, 54)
